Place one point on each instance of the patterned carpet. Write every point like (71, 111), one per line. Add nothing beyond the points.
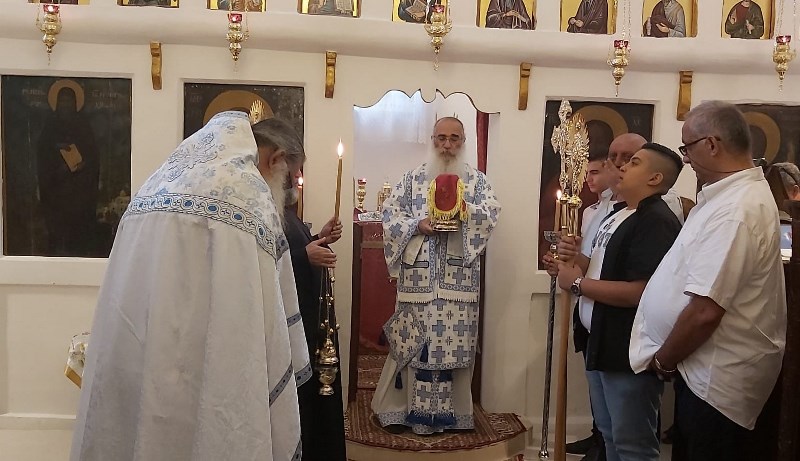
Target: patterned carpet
(490, 428)
(369, 370)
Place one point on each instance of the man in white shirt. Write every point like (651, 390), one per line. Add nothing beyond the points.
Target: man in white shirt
(714, 313)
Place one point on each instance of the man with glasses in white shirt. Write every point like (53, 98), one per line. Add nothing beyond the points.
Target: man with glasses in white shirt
(714, 313)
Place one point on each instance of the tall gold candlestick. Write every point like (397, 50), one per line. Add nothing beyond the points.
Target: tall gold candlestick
(339, 152)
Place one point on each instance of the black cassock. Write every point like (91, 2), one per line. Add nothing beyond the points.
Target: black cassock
(321, 417)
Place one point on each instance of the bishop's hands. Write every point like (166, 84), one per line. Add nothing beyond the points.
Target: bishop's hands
(331, 231)
(319, 255)
(425, 227)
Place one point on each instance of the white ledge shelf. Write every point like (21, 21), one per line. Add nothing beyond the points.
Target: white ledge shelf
(103, 22)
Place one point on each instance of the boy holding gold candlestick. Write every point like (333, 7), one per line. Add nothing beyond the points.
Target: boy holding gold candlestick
(626, 250)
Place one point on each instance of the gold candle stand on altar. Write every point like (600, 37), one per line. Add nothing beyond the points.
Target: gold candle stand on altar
(571, 142)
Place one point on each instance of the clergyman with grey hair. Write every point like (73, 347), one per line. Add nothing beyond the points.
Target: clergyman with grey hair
(197, 347)
(713, 316)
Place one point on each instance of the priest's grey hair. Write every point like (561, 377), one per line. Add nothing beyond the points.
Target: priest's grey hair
(790, 174)
(279, 134)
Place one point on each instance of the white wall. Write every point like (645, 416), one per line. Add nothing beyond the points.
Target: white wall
(393, 136)
(43, 302)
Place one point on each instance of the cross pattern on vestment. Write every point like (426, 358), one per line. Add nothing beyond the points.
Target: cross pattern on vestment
(388, 251)
(460, 353)
(479, 217)
(396, 229)
(423, 394)
(461, 328)
(438, 354)
(404, 333)
(419, 201)
(416, 278)
(459, 275)
(439, 328)
(403, 201)
(439, 303)
(477, 241)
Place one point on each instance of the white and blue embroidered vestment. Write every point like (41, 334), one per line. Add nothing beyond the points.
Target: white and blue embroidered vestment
(425, 383)
(197, 347)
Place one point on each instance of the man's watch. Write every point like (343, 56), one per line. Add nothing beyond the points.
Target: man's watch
(575, 288)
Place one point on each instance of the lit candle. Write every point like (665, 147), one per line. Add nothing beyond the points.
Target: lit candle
(557, 224)
(300, 197)
(50, 8)
(339, 152)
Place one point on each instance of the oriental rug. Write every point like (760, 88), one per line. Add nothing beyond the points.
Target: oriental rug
(362, 427)
(369, 370)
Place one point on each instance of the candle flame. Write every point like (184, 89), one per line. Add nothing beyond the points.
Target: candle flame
(558, 194)
(340, 149)
(300, 181)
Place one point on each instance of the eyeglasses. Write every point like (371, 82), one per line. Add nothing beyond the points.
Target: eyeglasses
(454, 139)
(682, 149)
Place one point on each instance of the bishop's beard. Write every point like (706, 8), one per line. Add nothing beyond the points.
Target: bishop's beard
(276, 180)
(439, 163)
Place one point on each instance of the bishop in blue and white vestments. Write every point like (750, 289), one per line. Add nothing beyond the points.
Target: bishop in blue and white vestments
(197, 347)
(425, 383)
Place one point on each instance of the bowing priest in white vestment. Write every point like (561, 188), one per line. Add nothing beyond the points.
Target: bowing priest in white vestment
(425, 383)
(197, 347)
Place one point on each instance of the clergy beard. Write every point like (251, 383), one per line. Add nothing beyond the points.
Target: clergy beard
(276, 180)
(439, 163)
(292, 196)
